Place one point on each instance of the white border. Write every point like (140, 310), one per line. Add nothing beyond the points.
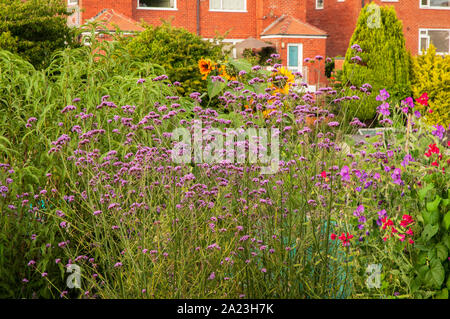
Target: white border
(299, 57)
(320, 8)
(158, 8)
(428, 39)
(428, 7)
(219, 10)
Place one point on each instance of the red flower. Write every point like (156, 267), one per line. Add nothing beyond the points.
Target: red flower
(435, 163)
(323, 174)
(410, 232)
(333, 236)
(423, 99)
(406, 220)
(386, 222)
(411, 241)
(430, 111)
(345, 239)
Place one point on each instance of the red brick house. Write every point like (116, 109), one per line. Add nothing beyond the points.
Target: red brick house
(299, 29)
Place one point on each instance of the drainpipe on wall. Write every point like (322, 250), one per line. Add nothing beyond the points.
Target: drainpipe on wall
(198, 17)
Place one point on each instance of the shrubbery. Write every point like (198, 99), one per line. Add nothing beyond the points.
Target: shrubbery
(178, 51)
(384, 61)
(34, 29)
(432, 75)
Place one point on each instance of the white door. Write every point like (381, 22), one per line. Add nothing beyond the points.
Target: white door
(295, 57)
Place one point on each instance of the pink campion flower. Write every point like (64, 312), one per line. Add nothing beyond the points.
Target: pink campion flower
(212, 276)
(118, 264)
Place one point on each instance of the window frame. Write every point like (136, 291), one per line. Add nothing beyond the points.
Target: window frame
(429, 7)
(72, 2)
(175, 8)
(227, 10)
(322, 7)
(427, 37)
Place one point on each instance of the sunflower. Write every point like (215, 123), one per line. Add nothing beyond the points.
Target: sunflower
(205, 66)
(282, 80)
(227, 72)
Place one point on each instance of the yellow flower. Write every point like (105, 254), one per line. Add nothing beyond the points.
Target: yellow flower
(282, 85)
(205, 66)
(223, 73)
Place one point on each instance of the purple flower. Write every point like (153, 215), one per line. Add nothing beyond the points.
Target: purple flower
(356, 47)
(396, 176)
(439, 132)
(356, 58)
(409, 102)
(140, 81)
(359, 210)
(383, 109)
(383, 96)
(417, 114)
(345, 173)
(212, 276)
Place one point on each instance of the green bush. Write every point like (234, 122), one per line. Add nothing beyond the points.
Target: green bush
(431, 74)
(35, 29)
(178, 51)
(385, 60)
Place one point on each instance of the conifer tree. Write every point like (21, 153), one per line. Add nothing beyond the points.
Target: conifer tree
(385, 63)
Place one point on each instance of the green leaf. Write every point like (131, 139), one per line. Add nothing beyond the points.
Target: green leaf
(214, 88)
(429, 231)
(446, 221)
(441, 252)
(437, 273)
(443, 294)
(433, 206)
(430, 217)
(424, 191)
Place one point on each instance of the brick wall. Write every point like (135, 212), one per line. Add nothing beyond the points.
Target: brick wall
(339, 19)
(413, 18)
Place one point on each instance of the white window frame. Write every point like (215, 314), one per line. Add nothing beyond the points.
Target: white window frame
(72, 2)
(159, 8)
(427, 37)
(227, 10)
(428, 6)
(299, 67)
(317, 5)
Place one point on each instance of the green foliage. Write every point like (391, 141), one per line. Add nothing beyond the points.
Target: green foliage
(432, 272)
(26, 92)
(178, 51)
(35, 29)
(385, 60)
(431, 74)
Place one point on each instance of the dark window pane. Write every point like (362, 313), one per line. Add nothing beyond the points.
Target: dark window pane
(440, 3)
(157, 3)
(440, 40)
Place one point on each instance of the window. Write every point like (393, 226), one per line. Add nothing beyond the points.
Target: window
(227, 5)
(72, 2)
(157, 4)
(439, 37)
(435, 4)
(319, 4)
